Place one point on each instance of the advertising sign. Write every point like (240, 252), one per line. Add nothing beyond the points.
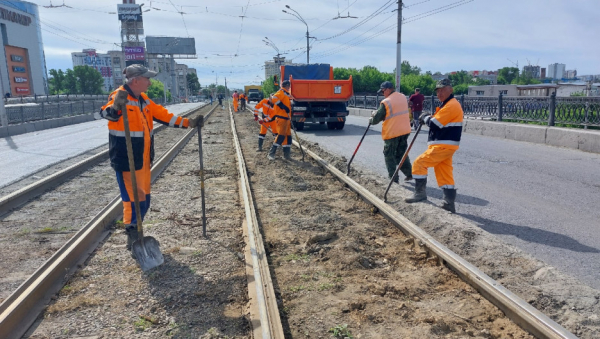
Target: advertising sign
(170, 45)
(130, 17)
(16, 58)
(18, 69)
(22, 90)
(134, 53)
(129, 9)
(20, 79)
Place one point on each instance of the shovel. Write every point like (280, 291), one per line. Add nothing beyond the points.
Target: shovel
(199, 126)
(401, 162)
(145, 249)
(357, 147)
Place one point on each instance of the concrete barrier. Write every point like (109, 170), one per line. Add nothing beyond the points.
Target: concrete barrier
(584, 140)
(34, 126)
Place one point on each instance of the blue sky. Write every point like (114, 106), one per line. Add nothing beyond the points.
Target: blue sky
(474, 35)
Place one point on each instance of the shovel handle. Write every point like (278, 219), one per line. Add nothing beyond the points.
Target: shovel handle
(136, 199)
(357, 147)
(401, 162)
(200, 155)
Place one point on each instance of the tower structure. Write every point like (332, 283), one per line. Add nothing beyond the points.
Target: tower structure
(132, 32)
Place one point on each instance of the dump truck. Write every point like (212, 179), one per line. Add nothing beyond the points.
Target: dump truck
(254, 93)
(317, 97)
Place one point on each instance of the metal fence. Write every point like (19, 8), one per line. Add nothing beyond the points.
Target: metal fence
(580, 111)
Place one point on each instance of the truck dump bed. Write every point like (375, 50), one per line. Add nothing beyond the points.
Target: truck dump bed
(314, 82)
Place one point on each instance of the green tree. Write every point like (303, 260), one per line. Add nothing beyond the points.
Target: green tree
(407, 69)
(412, 81)
(57, 81)
(268, 86)
(157, 90)
(221, 90)
(506, 75)
(193, 83)
(83, 80)
(525, 79)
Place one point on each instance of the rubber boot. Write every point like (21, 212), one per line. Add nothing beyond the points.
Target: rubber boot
(271, 155)
(132, 236)
(260, 144)
(449, 197)
(287, 153)
(420, 191)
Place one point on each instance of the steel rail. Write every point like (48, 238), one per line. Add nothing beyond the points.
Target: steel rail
(20, 310)
(515, 308)
(270, 321)
(27, 193)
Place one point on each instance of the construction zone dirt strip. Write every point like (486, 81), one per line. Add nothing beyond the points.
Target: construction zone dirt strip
(341, 271)
(30, 234)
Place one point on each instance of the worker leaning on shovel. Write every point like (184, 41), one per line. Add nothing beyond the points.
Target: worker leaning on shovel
(142, 112)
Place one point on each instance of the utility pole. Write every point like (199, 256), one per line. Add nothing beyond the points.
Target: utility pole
(307, 47)
(399, 41)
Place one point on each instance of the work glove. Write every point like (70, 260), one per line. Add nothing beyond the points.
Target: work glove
(261, 121)
(373, 114)
(197, 121)
(424, 118)
(120, 102)
(255, 117)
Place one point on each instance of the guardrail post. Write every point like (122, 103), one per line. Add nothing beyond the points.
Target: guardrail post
(43, 111)
(22, 115)
(432, 104)
(587, 114)
(35, 96)
(500, 108)
(365, 102)
(462, 101)
(552, 113)
(377, 101)
(82, 106)
(58, 110)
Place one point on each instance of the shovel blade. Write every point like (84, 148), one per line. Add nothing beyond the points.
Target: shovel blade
(148, 255)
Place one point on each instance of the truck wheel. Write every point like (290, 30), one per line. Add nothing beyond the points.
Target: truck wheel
(299, 126)
(340, 125)
(331, 124)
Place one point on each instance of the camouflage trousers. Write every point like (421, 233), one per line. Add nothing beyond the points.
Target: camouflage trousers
(393, 150)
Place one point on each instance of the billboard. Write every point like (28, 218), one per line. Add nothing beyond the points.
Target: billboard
(134, 53)
(130, 17)
(170, 45)
(18, 70)
(129, 9)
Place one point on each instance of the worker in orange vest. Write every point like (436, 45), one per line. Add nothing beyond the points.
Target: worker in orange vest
(267, 112)
(141, 113)
(243, 99)
(393, 111)
(236, 97)
(445, 131)
(282, 106)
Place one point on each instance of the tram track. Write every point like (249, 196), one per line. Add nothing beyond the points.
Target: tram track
(316, 253)
(21, 308)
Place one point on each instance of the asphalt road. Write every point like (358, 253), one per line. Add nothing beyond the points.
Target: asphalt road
(25, 154)
(542, 199)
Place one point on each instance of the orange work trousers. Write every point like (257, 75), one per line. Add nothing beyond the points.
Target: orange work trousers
(440, 158)
(271, 124)
(284, 133)
(142, 177)
(235, 105)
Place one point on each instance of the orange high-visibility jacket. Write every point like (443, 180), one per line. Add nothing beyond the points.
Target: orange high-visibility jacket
(236, 96)
(140, 125)
(243, 97)
(445, 126)
(396, 121)
(282, 105)
(267, 108)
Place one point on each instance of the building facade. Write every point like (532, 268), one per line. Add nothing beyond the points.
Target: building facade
(556, 71)
(100, 62)
(272, 67)
(571, 74)
(22, 62)
(532, 71)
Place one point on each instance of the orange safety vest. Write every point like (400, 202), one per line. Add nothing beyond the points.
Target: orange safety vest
(445, 126)
(282, 105)
(396, 121)
(141, 127)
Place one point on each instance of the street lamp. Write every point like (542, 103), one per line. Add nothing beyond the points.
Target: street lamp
(299, 17)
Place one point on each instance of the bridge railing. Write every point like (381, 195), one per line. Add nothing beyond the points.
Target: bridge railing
(551, 110)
